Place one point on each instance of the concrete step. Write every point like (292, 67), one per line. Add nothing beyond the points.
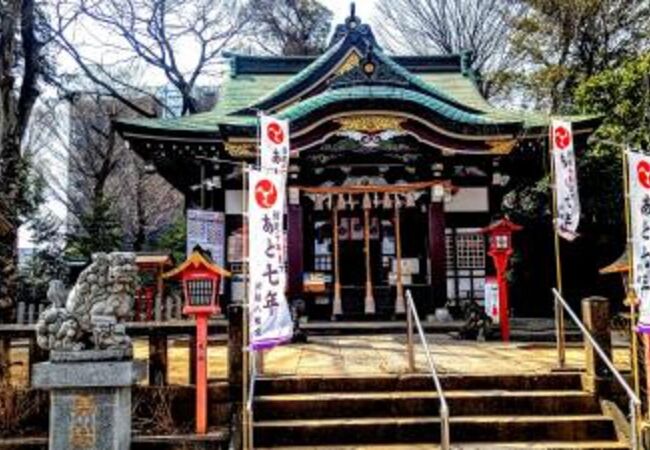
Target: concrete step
(378, 430)
(419, 403)
(555, 445)
(416, 382)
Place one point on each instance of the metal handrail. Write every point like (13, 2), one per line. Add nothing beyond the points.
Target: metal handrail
(251, 382)
(249, 422)
(634, 401)
(412, 313)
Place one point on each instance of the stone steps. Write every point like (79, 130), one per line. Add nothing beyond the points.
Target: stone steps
(416, 382)
(423, 403)
(548, 445)
(392, 412)
(379, 430)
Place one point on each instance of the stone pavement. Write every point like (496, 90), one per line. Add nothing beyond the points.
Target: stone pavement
(373, 354)
(386, 354)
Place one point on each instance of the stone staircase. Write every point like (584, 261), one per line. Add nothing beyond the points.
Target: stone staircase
(549, 411)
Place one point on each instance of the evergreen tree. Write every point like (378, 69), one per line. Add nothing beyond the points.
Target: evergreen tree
(96, 230)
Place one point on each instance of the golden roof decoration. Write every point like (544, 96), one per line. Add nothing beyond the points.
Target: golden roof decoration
(370, 124)
(240, 149)
(349, 63)
(502, 147)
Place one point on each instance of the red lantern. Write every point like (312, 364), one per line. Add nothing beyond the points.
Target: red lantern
(500, 234)
(200, 278)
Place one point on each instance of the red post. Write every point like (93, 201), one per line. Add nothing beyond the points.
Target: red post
(501, 264)
(504, 316)
(201, 373)
(500, 233)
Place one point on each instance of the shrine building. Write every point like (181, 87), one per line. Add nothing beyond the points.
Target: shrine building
(402, 153)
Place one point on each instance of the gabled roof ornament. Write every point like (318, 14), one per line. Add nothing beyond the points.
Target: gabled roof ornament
(354, 28)
(353, 21)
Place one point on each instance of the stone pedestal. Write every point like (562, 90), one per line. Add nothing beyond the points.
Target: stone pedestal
(90, 400)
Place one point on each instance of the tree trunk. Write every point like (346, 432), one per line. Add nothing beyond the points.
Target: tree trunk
(9, 169)
(16, 104)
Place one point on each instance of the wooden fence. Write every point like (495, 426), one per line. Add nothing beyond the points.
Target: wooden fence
(158, 335)
(146, 309)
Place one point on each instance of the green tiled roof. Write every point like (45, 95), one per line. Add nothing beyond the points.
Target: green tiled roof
(318, 63)
(234, 94)
(388, 93)
(242, 91)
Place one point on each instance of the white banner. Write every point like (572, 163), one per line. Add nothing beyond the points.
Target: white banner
(491, 291)
(639, 176)
(270, 317)
(567, 199)
(274, 143)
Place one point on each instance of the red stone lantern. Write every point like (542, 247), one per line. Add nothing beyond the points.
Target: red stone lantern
(200, 278)
(500, 234)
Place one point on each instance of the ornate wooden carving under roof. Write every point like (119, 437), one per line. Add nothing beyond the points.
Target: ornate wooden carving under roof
(370, 123)
(240, 149)
(502, 147)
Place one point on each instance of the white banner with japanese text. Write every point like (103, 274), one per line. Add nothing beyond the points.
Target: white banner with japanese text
(567, 199)
(639, 179)
(270, 317)
(274, 144)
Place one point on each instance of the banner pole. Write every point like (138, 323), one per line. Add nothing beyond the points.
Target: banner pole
(559, 311)
(246, 425)
(631, 298)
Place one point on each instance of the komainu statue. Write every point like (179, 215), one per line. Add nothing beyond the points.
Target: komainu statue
(91, 316)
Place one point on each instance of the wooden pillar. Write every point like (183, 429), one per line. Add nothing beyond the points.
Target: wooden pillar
(36, 355)
(160, 293)
(369, 303)
(295, 243)
(437, 256)
(595, 315)
(236, 371)
(337, 305)
(158, 359)
(5, 359)
(399, 298)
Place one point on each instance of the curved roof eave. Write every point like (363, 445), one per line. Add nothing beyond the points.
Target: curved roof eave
(386, 93)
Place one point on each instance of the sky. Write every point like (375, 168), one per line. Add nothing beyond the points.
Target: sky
(341, 10)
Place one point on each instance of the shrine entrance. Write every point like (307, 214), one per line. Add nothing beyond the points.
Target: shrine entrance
(365, 244)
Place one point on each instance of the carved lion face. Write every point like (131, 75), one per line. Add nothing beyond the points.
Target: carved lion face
(122, 270)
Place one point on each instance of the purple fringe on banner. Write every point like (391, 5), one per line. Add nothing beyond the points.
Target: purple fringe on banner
(269, 343)
(643, 329)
